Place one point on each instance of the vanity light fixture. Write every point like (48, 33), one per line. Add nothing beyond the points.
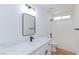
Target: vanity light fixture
(29, 7)
(62, 17)
(28, 10)
(51, 19)
(57, 18)
(66, 17)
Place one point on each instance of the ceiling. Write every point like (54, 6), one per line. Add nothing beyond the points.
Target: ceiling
(54, 7)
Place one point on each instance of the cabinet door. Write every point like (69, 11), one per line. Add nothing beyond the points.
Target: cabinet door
(40, 51)
(44, 50)
(49, 49)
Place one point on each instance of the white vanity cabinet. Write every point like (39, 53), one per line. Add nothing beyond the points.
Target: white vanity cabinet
(39, 46)
(43, 50)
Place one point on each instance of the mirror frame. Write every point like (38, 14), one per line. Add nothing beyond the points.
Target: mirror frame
(23, 25)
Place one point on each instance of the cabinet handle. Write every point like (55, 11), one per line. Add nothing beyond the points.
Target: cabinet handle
(31, 28)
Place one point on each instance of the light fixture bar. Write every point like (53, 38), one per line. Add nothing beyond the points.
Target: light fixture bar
(29, 7)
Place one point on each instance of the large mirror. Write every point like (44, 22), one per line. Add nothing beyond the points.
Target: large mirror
(28, 24)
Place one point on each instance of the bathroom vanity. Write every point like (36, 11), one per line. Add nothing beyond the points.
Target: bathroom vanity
(43, 50)
(39, 46)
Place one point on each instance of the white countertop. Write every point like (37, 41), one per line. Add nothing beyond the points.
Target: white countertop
(25, 48)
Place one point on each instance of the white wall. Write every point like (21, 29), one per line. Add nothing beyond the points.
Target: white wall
(63, 32)
(11, 25)
(76, 25)
(43, 24)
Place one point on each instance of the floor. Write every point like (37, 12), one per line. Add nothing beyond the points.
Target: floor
(62, 52)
